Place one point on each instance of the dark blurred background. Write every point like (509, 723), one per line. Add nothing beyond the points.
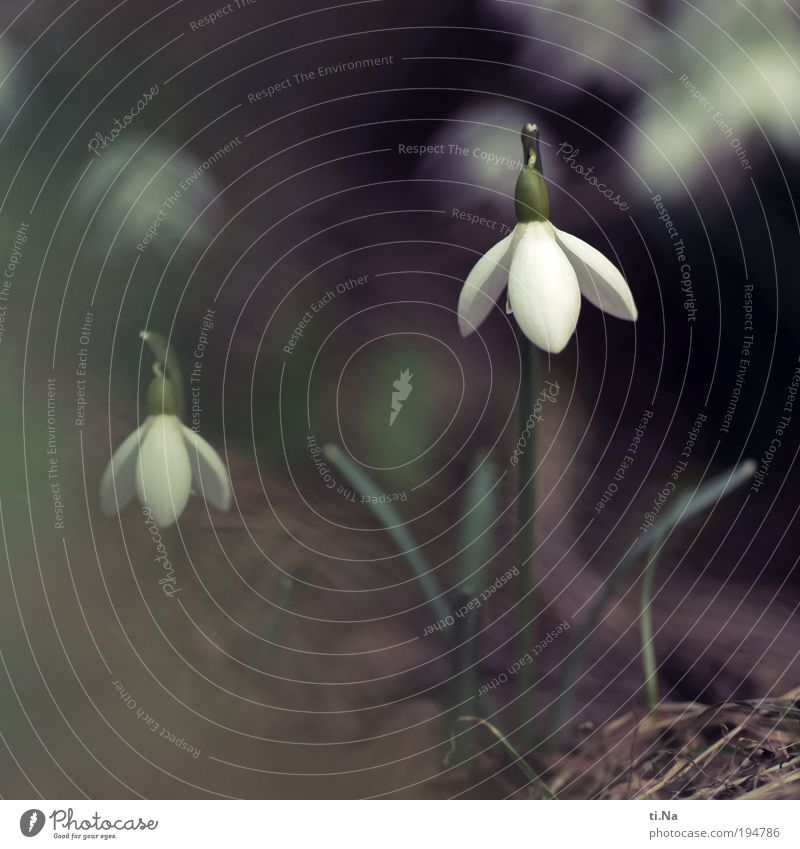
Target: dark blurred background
(273, 155)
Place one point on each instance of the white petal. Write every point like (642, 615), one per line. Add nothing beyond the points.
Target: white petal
(209, 475)
(118, 485)
(542, 289)
(483, 286)
(163, 473)
(600, 280)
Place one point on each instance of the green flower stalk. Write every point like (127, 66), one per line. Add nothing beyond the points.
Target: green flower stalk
(546, 271)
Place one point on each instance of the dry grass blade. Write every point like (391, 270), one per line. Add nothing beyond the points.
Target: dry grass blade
(741, 749)
(519, 761)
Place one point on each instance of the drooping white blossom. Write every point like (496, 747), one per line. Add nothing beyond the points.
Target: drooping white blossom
(161, 463)
(546, 270)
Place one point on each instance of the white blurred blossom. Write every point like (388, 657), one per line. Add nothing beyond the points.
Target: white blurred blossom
(709, 85)
(160, 463)
(154, 193)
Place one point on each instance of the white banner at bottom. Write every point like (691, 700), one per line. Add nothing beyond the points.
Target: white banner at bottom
(401, 824)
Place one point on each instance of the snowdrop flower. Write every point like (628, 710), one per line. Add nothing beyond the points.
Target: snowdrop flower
(161, 460)
(546, 269)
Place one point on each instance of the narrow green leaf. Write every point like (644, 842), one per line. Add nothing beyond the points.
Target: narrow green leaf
(479, 515)
(285, 599)
(476, 539)
(649, 663)
(390, 519)
(519, 761)
(685, 508)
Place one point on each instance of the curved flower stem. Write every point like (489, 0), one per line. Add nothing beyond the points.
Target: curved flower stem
(385, 513)
(529, 390)
(646, 629)
(649, 663)
(479, 517)
(697, 500)
(282, 607)
(519, 761)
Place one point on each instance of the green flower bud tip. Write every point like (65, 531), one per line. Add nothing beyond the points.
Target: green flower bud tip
(530, 146)
(161, 400)
(531, 202)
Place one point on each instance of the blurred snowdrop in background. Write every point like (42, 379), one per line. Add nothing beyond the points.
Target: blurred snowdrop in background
(14, 84)
(151, 194)
(576, 45)
(732, 95)
(694, 85)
